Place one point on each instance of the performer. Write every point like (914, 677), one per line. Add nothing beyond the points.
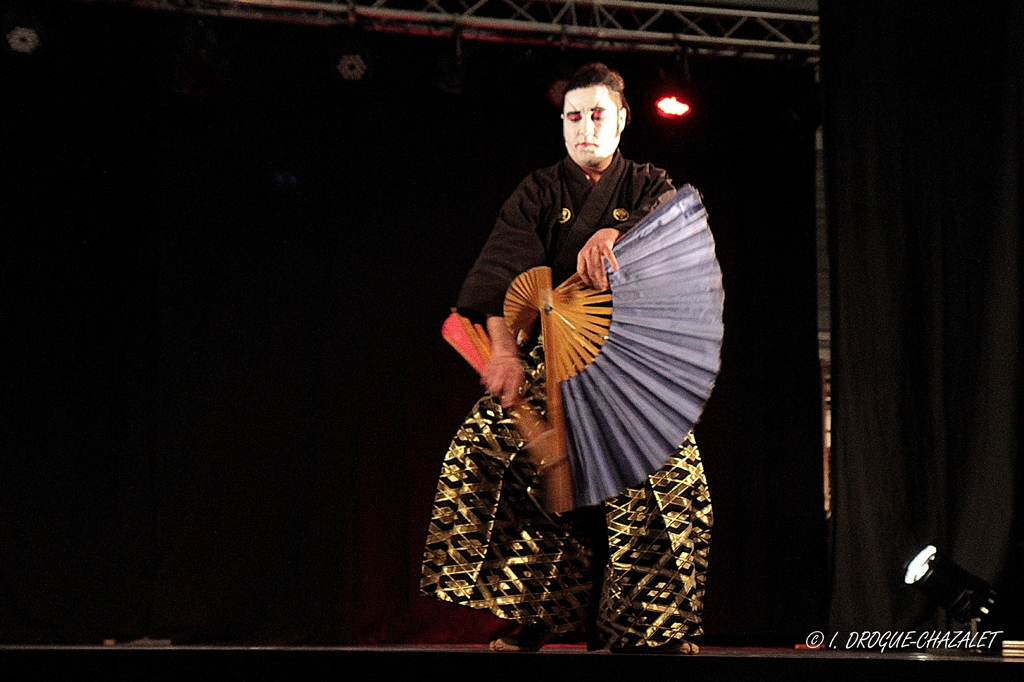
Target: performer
(630, 572)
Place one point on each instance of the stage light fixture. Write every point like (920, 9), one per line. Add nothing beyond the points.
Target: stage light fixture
(964, 596)
(451, 68)
(23, 39)
(352, 67)
(349, 55)
(670, 106)
(22, 28)
(201, 60)
(675, 89)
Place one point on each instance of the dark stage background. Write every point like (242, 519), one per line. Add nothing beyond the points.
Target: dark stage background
(225, 396)
(923, 121)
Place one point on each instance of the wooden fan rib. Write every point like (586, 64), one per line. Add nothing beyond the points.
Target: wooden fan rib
(595, 330)
(521, 306)
(585, 349)
(584, 298)
(578, 323)
(582, 318)
(581, 308)
(478, 337)
(576, 349)
(574, 361)
(584, 327)
(596, 301)
(555, 350)
(575, 358)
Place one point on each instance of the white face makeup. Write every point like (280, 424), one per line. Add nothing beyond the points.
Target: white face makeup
(592, 122)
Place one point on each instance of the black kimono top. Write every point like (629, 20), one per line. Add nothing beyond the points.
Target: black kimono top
(549, 218)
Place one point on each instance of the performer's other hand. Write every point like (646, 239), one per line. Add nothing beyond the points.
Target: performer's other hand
(504, 373)
(502, 378)
(590, 261)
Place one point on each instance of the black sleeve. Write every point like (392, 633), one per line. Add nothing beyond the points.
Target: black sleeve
(513, 247)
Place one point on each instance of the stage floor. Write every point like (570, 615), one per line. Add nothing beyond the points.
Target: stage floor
(457, 663)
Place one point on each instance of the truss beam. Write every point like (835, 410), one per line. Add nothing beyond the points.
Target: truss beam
(621, 25)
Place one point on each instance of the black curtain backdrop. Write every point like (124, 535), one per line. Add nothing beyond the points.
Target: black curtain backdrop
(923, 121)
(225, 395)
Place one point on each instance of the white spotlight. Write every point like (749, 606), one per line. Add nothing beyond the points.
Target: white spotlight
(919, 565)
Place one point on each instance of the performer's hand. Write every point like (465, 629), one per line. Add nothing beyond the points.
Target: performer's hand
(590, 261)
(503, 377)
(504, 373)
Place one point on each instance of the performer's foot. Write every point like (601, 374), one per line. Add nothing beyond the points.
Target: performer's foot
(679, 647)
(529, 638)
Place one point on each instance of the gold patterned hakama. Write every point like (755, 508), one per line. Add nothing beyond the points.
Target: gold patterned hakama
(490, 545)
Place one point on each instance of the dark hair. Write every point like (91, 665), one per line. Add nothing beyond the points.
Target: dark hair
(597, 73)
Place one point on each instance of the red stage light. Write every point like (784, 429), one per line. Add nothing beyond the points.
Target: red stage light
(670, 107)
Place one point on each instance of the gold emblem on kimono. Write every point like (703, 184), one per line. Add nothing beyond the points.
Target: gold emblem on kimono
(565, 216)
(620, 214)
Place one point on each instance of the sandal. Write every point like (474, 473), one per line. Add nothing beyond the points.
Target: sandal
(676, 647)
(529, 638)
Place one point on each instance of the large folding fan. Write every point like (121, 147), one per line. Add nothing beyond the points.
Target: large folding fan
(628, 370)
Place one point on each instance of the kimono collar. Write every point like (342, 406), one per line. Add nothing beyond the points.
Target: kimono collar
(592, 205)
(580, 184)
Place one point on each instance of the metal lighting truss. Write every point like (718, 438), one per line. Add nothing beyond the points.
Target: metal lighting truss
(623, 25)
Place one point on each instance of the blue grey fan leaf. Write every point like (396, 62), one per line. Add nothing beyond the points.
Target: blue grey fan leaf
(627, 412)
